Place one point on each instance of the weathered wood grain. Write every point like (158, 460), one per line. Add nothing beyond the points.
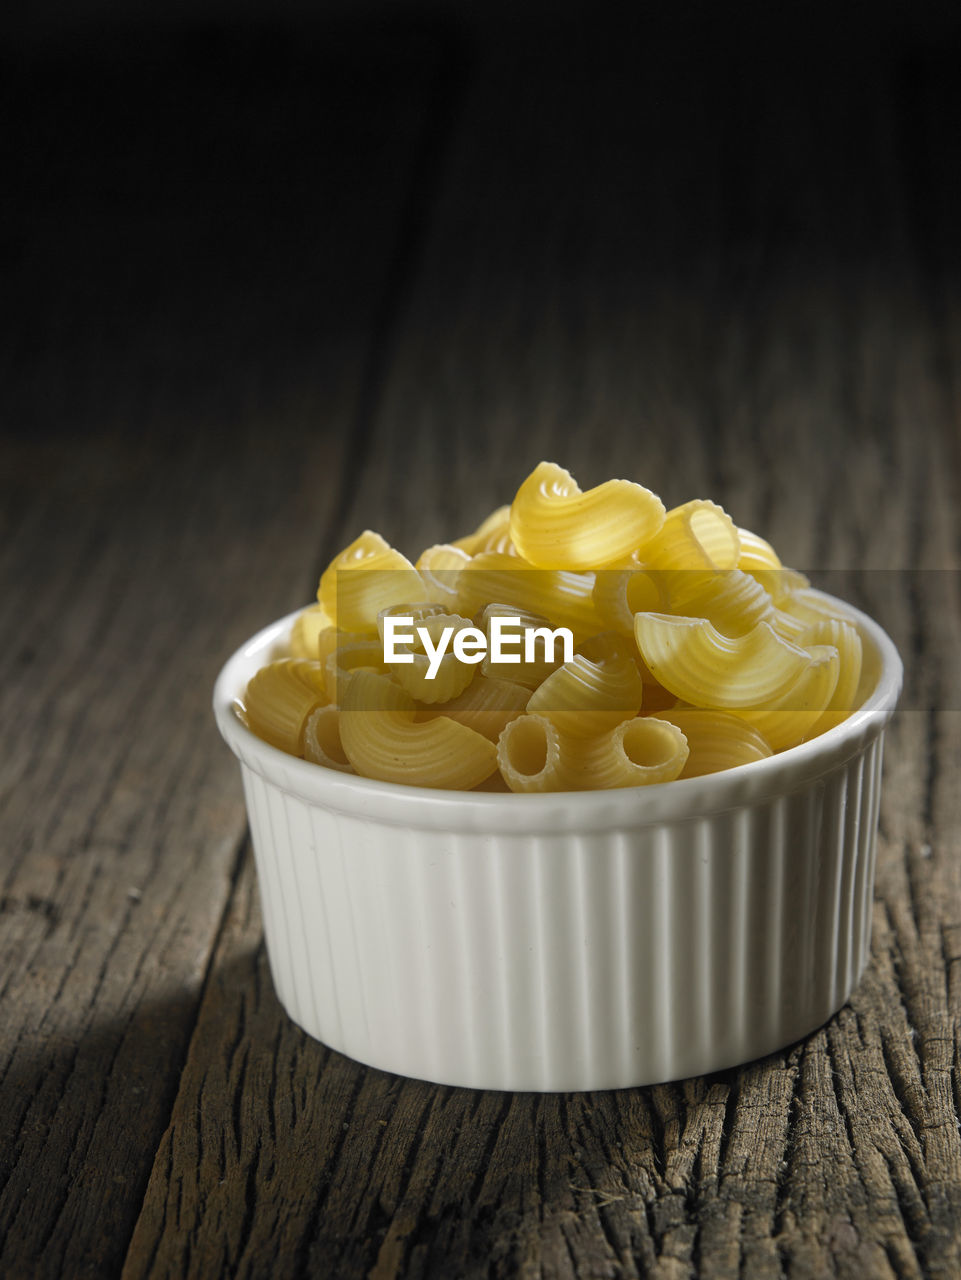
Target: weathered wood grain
(731, 300)
(192, 348)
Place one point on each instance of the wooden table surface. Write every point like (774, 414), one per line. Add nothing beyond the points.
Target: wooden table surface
(267, 286)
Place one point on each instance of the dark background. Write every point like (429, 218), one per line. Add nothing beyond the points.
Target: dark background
(194, 194)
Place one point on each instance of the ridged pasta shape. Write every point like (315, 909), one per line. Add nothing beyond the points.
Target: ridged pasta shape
(350, 653)
(450, 677)
(755, 553)
(792, 717)
(731, 600)
(565, 598)
(554, 525)
(439, 567)
(592, 693)
(322, 744)
(696, 535)
(305, 633)
(279, 698)
(529, 674)
(623, 590)
(383, 740)
(635, 753)
(418, 610)
(492, 534)
(716, 739)
(487, 705)
(529, 755)
(699, 665)
(845, 637)
(365, 578)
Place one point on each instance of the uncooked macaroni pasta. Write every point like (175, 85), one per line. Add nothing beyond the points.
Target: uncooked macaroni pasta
(576, 640)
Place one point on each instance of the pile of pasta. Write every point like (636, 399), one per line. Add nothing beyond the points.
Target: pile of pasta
(695, 650)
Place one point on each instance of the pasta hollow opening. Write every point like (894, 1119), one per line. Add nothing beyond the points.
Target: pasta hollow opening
(647, 744)
(527, 747)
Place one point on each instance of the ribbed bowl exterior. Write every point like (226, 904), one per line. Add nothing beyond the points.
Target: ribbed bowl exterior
(622, 944)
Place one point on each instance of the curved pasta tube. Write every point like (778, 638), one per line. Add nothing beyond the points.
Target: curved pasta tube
(636, 753)
(733, 601)
(592, 693)
(528, 674)
(845, 637)
(565, 598)
(716, 739)
(349, 653)
(690, 657)
(492, 534)
(365, 578)
(451, 676)
(322, 744)
(529, 755)
(792, 717)
(554, 525)
(305, 633)
(696, 535)
(439, 567)
(419, 610)
(780, 584)
(487, 705)
(623, 590)
(808, 605)
(382, 740)
(279, 698)
(755, 553)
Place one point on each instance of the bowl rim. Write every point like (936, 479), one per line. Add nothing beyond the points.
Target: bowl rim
(682, 799)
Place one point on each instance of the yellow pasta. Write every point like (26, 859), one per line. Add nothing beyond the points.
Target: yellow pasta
(529, 755)
(592, 693)
(492, 534)
(844, 637)
(716, 739)
(636, 753)
(732, 600)
(350, 653)
(624, 590)
(382, 739)
(755, 553)
(554, 525)
(280, 697)
(793, 715)
(566, 598)
(695, 662)
(528, 673)
(365, 578)
(439, 567)
(322, 744)
(487, 705)
(695, 535)
(428, 679)
(306, 631)
(679, 645)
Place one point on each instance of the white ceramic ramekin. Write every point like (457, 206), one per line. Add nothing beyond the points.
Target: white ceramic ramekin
(582, 940)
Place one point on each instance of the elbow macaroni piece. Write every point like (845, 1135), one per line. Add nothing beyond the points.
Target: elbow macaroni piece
(591, 694)
(382, 740)
(280, 697)
(716, 739)
(554, 525)
(695, 650)
(695, 662)
(365, 578)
